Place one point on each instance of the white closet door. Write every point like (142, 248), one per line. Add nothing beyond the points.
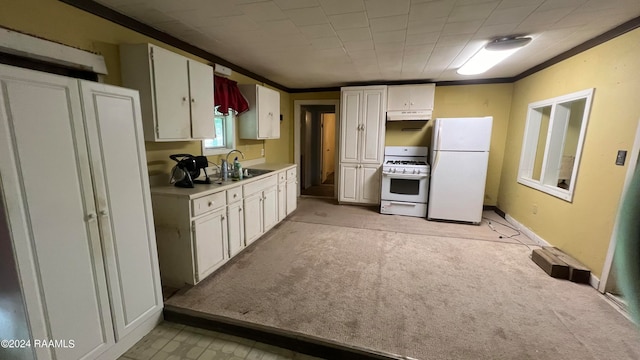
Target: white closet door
(47, 185)
(113, 121)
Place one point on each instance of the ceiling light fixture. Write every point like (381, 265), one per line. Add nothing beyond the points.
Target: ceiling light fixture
(493, 53)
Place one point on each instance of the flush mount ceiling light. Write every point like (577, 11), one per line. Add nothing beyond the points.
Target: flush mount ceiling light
(493, 53)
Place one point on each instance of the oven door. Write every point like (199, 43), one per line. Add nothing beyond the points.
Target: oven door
(405, 187)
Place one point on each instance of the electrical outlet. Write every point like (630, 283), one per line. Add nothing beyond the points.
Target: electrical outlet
(534, 209)
(211, 170)
(262, 152)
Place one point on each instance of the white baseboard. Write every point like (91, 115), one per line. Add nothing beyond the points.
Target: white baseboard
(593, 280)
(525, 230)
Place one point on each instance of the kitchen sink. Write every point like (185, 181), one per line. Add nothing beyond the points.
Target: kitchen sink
(256, 172)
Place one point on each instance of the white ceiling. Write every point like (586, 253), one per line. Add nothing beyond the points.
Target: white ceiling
(329, 43)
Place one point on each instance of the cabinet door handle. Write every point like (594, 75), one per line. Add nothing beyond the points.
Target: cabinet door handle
(222, 217)
(239, 209)
(235, 196)
(184, 98)
(103, 212)
(91, 216)
(193, 100)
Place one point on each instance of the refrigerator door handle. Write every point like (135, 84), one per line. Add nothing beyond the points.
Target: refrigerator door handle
(437, 147)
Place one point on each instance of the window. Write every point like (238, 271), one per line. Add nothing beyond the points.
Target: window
(552, 143)
(225, 136)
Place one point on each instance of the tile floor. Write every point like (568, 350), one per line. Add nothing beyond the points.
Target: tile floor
(170, 341)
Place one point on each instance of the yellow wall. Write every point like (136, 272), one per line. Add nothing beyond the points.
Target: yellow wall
(464, 101)
(581, 228)
(56, 21)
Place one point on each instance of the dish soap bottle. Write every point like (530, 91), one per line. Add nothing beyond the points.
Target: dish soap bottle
(237, 167)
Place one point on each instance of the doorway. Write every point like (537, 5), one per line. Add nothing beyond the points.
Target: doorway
(309, 161)
(317, 150)
(608, 283)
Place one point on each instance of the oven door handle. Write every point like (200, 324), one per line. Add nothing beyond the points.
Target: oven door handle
(406, 176)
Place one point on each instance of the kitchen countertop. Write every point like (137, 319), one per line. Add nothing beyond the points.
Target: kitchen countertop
(205, 189)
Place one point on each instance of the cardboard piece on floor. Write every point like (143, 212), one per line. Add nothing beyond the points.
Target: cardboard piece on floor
(577, 271)
(550, 263)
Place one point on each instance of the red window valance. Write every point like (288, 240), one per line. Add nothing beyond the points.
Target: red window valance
(227, 96)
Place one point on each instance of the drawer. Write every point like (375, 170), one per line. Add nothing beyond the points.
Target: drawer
(282, 177)
(260, 185)
(291, 173)
(208, 203)
(234, 194)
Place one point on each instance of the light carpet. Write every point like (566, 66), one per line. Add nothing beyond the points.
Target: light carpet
(381, 286)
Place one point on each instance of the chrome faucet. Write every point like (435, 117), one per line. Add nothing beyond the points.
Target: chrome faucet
(234, 150)
(225, 164)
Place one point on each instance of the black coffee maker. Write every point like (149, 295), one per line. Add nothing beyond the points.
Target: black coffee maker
(187, 169)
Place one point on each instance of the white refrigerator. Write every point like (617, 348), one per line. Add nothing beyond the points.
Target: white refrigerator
(459, 159)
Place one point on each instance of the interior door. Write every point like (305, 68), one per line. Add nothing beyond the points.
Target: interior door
(328, 144)
(171, 94)
(113, 121)
(202, 106)
(53, 227)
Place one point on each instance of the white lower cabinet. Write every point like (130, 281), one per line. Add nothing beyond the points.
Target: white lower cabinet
(210, 238)
(359, 183)
(235, 223)
(292, 191)
(196, 234)
(270, 208)
(282, 200)
(84, 244)
(261, 207)
(253, 217)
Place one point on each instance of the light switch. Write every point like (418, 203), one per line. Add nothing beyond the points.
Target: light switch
(622, 156)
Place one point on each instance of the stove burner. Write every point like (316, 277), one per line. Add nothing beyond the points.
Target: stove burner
(405, 162)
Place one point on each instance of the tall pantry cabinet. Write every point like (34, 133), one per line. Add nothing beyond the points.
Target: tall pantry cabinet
(77, 201)
(362, 132)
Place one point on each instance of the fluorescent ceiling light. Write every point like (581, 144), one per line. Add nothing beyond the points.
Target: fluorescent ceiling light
(492, 54)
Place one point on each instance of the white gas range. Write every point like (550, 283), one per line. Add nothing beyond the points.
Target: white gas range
(405, 181)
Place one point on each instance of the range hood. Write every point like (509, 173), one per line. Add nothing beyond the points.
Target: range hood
(400, 115)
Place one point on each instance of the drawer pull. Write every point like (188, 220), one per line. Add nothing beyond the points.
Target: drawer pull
(235, 196)
(210, 203)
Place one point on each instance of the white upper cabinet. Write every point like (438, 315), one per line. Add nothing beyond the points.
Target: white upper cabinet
(176, 93)
(262, 120)
(202, 104)
(362, 124)
(410, 97)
